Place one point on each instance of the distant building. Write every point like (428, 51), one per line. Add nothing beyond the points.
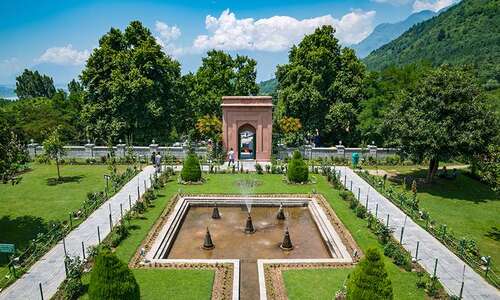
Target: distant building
(247, 126)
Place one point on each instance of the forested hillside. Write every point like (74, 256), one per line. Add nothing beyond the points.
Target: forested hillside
(468, 33)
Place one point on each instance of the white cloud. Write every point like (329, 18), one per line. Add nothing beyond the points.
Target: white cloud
(66, 55)
(433, 5)
(278, 33)
(167, 35)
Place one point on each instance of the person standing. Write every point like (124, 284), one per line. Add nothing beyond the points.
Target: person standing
(230, 157)
(158, 162)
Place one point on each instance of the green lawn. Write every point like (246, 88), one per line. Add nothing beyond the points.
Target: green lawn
(303, 281)
(26, 207)
(157, 284)
(469, 209)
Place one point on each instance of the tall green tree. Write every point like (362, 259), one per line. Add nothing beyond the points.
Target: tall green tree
(131, 87)
(322, 85)
(111, 279)
(12, 152)
(220, 75)
(32, 84)
(369, 280)
(53, 148)
(446, 116)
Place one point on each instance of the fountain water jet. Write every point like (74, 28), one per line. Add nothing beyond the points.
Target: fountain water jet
(286, 245)
(281, 213)
(249, 225)
(215, 212)
(207, 243)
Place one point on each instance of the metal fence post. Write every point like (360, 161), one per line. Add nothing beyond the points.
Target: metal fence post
(64, 247)
(387, 222)
(121, 211)
(462, 285)
(376, 210)
(41, 291)
(98, 235)
(435, 268)
(416, 251)
(351, 186)
(83, 250)
(359, 193)
(129, 203)
(70, 221)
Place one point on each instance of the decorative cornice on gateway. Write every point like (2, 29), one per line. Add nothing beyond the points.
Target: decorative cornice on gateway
(247, 101)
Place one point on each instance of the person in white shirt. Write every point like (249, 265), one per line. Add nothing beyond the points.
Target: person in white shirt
(230, 156)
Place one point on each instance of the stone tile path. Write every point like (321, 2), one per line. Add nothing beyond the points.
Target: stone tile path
(49, 270)
(449, 267)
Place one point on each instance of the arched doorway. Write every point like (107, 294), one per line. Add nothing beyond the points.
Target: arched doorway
(246, 142)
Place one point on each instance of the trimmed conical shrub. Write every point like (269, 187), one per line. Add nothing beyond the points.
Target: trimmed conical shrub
(297, 169)
(191, 171)
(111, 279)
(369, 280)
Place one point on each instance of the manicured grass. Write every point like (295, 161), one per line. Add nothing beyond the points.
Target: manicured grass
(35, 196)
(158, 284)
(469, 208)
(404, 283)
(314, 284)
(26, 207)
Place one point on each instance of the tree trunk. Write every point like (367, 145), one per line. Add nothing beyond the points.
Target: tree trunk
(433, 167)
(58, 172)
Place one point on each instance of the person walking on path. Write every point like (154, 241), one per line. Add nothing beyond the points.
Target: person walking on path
(153, 158)
(230, 157)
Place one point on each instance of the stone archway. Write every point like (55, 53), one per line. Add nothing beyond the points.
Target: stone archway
(247, 142)
(248, 115)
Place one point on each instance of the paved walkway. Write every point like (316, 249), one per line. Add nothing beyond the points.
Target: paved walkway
(49, 270)
(449, 268)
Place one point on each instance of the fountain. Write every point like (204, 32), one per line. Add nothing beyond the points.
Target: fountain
(207, 243)
(281, 213)
(215, 212)
(286, 245)
(249, 226)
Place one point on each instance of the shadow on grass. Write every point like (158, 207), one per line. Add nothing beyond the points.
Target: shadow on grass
(493, 233)
(21, 230)
(461, 188)
(64, 179)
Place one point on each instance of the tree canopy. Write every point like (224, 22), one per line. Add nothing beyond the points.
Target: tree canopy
(445, 116)
(32, 84)
(219, 75)
(321, 85)
(132, 87)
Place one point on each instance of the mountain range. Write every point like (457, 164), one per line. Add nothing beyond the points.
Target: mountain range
(467, 33)
(386, 32)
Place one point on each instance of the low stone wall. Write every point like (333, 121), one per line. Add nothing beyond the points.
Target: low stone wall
(93, 151)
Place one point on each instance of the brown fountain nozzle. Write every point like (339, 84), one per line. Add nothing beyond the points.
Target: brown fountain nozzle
(249, 225)
(207, 243)
(286, 245)
(215, 212)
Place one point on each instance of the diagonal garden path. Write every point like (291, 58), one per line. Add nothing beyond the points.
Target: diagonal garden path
(49, 270)
(449, 267)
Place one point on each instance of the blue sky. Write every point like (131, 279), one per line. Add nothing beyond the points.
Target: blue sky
(56, 37)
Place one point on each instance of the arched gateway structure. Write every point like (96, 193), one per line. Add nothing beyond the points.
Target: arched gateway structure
(247, 126)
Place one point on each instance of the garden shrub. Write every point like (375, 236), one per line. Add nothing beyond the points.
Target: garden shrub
(111, 279)
(369, 280)
(191, 171)
(259, 169)
(298, 171)
(361, 211)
